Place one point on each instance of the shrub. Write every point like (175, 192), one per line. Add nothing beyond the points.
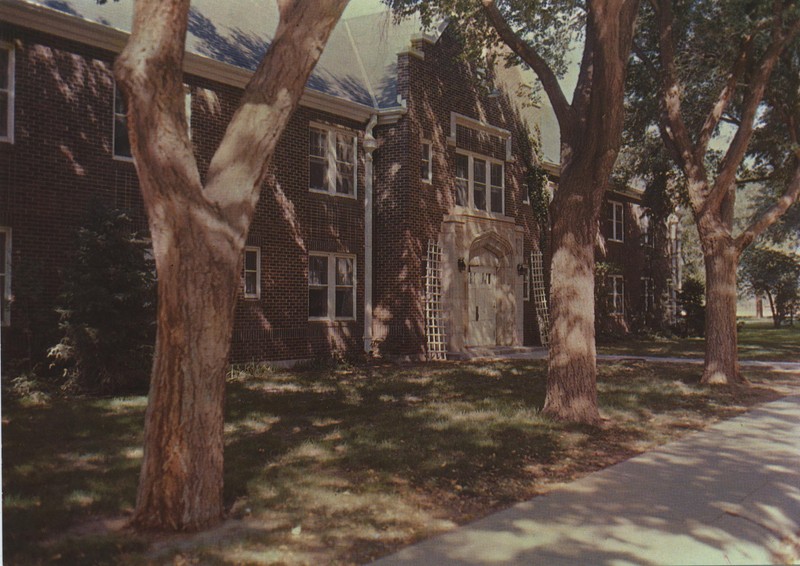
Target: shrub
(107, 308)
(692, 308)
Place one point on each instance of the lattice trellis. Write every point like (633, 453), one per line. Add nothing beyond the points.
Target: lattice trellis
(540, 297)
(434, 319)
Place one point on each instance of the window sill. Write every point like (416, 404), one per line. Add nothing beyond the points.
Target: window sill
(123, 159)
(330, 194)
(332, 322)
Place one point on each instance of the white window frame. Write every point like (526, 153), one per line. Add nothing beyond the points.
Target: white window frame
(11, 91)
(5, 290)
(616, 219)
(616, 295)
(256, 250)
(471, 156)
(331, 285)
(648, 294)
(426, 175)
(331, 161)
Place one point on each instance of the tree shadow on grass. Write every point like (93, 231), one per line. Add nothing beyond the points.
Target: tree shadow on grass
(66, 462)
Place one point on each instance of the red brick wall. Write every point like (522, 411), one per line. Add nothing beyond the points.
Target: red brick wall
(633, 260)
(410, 212)
(61, 159)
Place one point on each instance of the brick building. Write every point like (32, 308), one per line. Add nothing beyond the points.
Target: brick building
(396, 144)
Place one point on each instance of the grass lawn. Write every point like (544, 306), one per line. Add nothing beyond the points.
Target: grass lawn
(758, 340)
(338, 466)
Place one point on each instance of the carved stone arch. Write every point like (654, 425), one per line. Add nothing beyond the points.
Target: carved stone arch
(492, 242)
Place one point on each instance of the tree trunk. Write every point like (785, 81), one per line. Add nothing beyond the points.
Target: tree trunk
(721, 360)
(572, 371)
(180, 486)
(198, 234)
(776, 321)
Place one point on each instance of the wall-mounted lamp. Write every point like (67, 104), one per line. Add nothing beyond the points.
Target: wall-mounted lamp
(520, 269)
(462, 265)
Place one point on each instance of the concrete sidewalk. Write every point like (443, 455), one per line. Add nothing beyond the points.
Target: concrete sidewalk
(726, 495)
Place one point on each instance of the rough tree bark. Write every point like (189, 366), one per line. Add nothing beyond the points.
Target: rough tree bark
(591, 129)
(712, 201)
(198, 233)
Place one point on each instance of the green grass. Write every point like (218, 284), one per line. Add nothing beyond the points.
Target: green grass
(336, 465)
(758, 340)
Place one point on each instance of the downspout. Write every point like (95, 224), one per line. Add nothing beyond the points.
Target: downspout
(370, 144)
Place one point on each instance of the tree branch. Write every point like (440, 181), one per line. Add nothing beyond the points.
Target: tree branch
(755, 93)
(149, 72)
(240, 164)
(673, 128)
(714, 116)
(527, 53)
(773, 213)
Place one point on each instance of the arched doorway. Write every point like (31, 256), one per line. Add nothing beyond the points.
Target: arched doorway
(489, 261)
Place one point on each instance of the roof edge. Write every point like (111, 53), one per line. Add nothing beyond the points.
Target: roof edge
(50, 21)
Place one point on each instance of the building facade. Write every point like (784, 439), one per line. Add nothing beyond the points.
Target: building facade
(397, 146)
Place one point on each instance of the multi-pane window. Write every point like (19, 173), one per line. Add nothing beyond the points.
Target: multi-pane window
(647, 231)
(462, 179)
(479, 183)
(426, 162)
(616, 224)
(332, 161)
(5, 276)
(6, 93)
(497, 182)
(616, 294)
(331, 286)
(252, 272)
(648, 298)
(318, 160)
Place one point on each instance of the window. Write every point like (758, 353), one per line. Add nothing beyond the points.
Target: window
(5, 276)
(462, 180)
(615, 222)
(6, 92)
(526, 283)
(332, 161)
(426, 162)
(480, 183)
(252, 273)
(648, 298)
(647, 232)
(331, 287)
(122, 143)
(616, 295)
